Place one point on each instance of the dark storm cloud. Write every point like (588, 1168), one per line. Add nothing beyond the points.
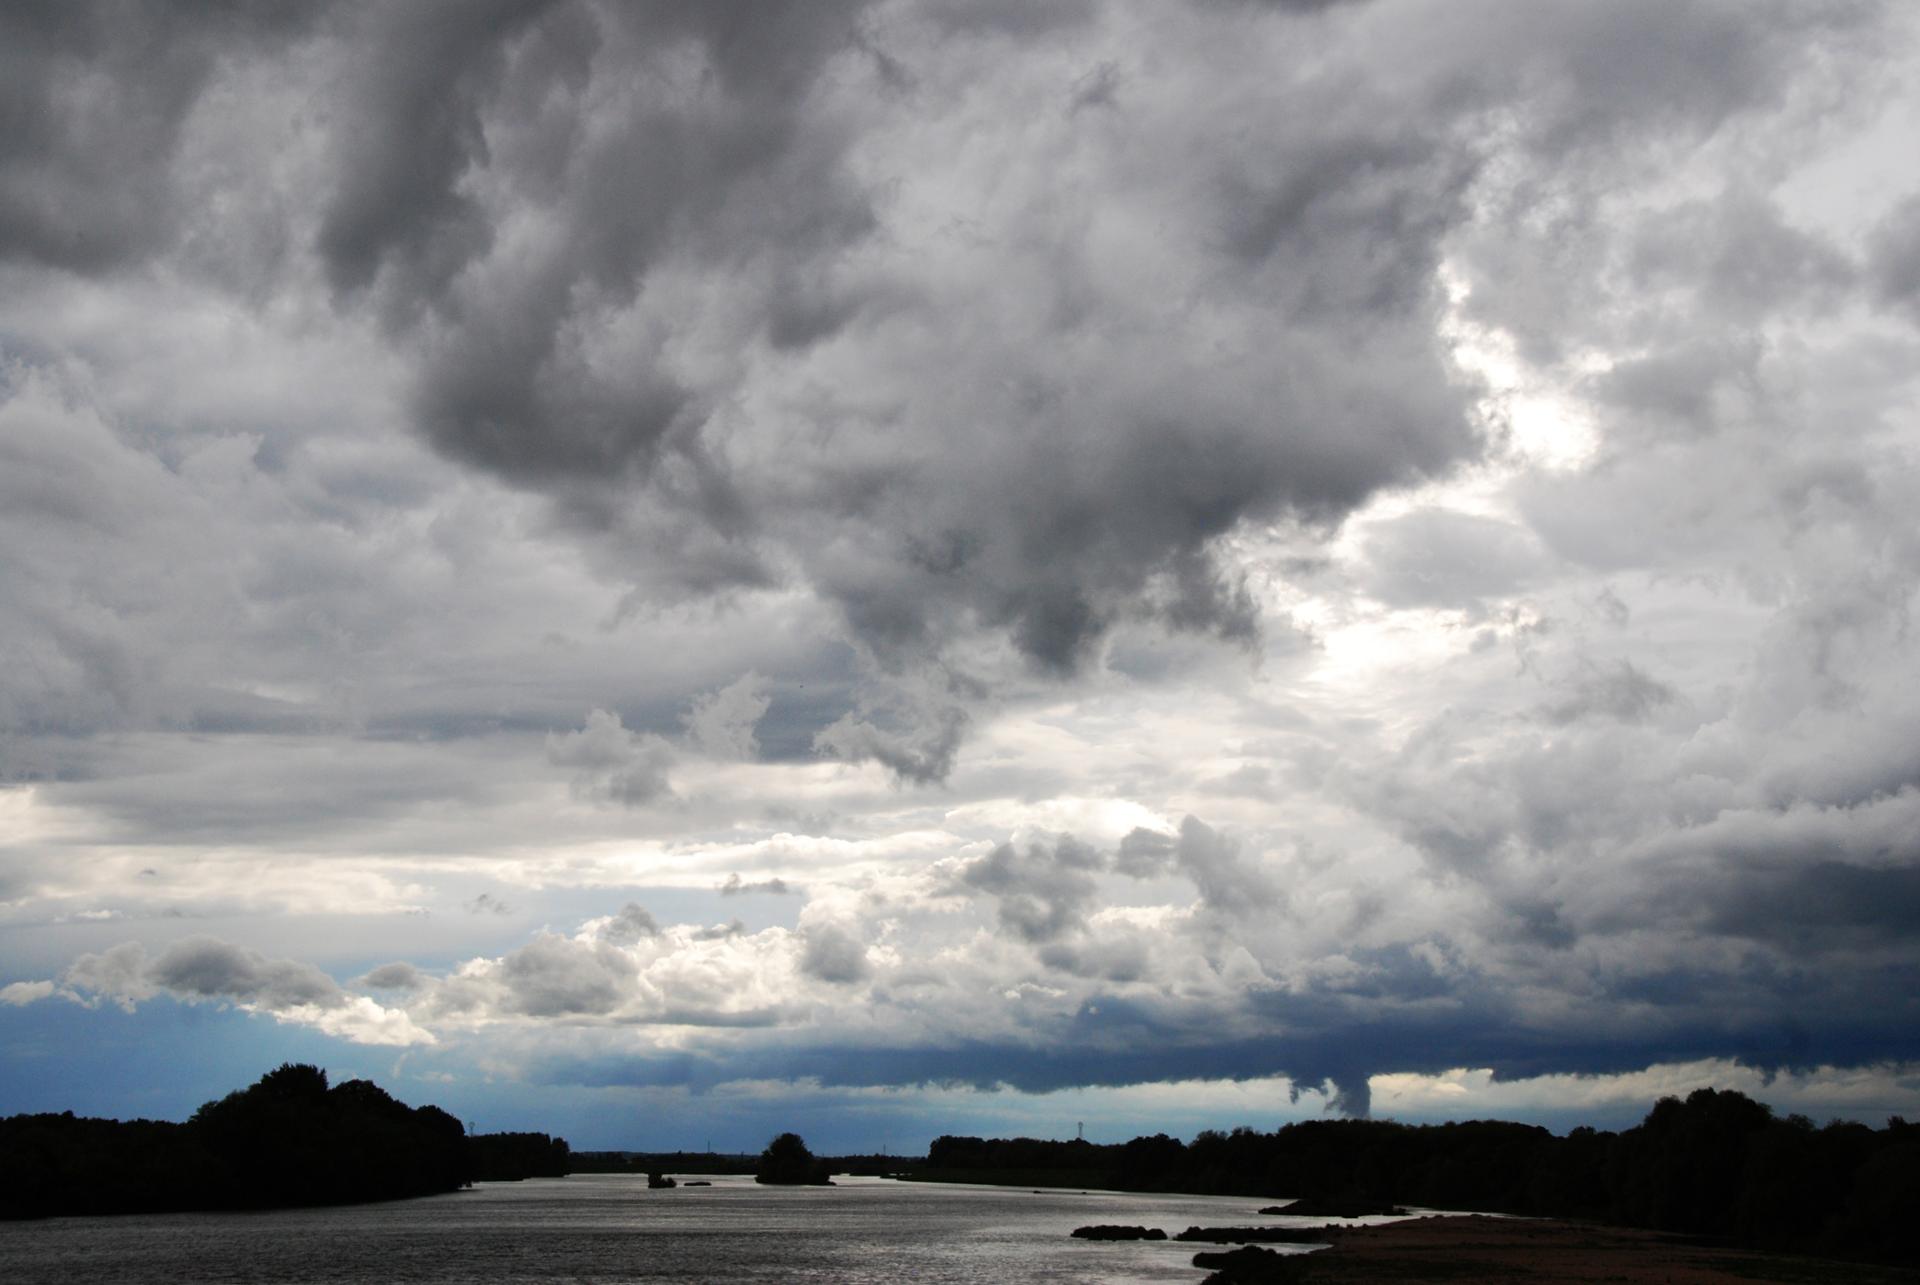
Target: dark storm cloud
(94, 100)
(1030, 450)
(1314, 1038)
(990, 341)
(1825, 905)
(510, 182)
(1835, 887)
(411, 132)
(631, 179)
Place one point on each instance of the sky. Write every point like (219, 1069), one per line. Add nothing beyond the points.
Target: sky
(669, 571)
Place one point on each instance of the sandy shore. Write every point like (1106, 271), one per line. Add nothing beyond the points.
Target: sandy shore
(1466, 1248)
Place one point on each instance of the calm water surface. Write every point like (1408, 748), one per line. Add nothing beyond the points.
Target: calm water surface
(593, 1228)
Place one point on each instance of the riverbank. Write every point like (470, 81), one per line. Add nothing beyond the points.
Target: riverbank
(1476, 1247)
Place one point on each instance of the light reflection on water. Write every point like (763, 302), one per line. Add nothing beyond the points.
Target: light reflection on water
(610, 1228)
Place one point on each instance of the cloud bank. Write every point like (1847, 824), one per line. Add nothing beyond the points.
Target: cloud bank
(891, 543)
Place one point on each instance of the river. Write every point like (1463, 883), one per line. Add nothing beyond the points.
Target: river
(610, 1228)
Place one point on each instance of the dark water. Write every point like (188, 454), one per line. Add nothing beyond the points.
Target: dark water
(605, 1228)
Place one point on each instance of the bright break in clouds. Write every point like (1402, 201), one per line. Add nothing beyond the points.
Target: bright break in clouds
(904, 556)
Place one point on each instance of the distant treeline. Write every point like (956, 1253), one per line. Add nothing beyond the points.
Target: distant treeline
(1717, 1164)
(509, 1157)
(662, 1162)
(287, 1140)
(725, 1163)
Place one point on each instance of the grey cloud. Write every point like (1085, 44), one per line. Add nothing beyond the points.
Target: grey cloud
(737, 1019)
(203, 968)
(411, 132)
(549, 367)
(1833, 881)
(735, 886)
(1619, 691)
(833, 954)
(554, 976)
(694, 277)
(1687, 387)
(118, 974)
(1627, 81)
(1894, 258)
(612, 763)
(1287, 6)
(923, 754)
(1823, 905)
(1044, 892)
(1144, 853)
(1249, 780)
(1434, 557)
(487, 904)
(1118, 959)
(215, 970)
(1097, 88)
(514, 381)
(633, 923)
(1738, 255)
(1227, 880)
(722, 722)
(397, 976)
(97, 95)
(1352, 1097)
(1004, 454)
(1010, 18)
(1540, 921)
(1041, 893)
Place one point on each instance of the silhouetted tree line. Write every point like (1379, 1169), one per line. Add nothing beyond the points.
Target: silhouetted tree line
(1717, 1164)
(949, 1152)
(685, 1162)
(287, 1140)
(788, 1163)
(509, 1157)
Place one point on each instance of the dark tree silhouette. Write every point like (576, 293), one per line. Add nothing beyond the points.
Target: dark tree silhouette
(1717, 1163)
(787, 1162)
(286, 1140)
(509, 1157)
